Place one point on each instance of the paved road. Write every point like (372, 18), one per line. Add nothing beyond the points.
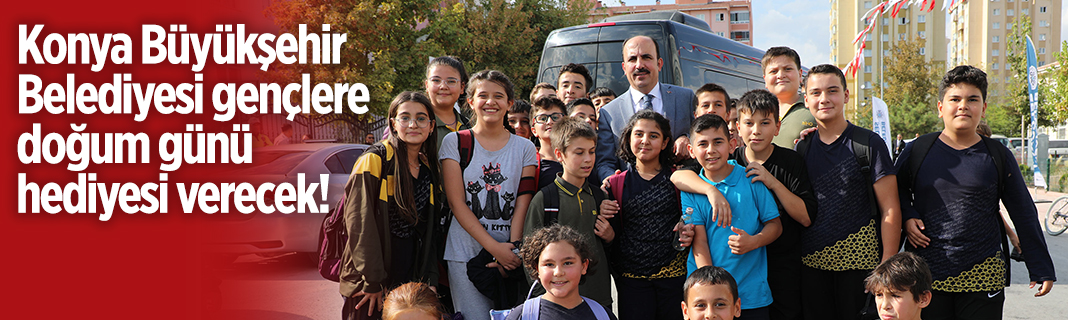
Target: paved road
(289, 287)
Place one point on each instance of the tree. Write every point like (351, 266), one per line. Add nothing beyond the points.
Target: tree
(1016, 102)
(910, 90)
(1055, 84)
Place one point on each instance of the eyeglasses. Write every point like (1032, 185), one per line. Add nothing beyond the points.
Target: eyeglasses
(452, 82)
(544, 118)
(584, 117)
(420, 121)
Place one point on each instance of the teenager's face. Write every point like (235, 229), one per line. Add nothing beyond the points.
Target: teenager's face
(490, 102)
(543, 121)
(647, 141)
(599, 102)
(520, 121)
(900, 305)
(571, 86)
(712, 102)
(642, 64)
(579, 157)
(962, 107)
(710, 301)
(409, 122)
(757, 130)
(543, 92)
(825, 97)
(586, 113)
(782, 75)
(443, 85)
(560, 268)
(711, 147)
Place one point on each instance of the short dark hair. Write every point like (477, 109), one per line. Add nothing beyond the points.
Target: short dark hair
(539, 86)
(567, 129)
(286, 127)
(520, 106)
(709, 121)
(779, 51)
(710, 275)
(712, 87)
(577, 69)
(578, 102)
(655, 44)
(761, 101)
(667, 158)
(544, 103)
(535, 243)
(963, 74)
(602, 92)
(824, 69)
(903, 271)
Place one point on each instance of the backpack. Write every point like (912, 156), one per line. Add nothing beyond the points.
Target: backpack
(551, 198)
(333, 237)
(532, 309)
(923, 144)
(862, 153)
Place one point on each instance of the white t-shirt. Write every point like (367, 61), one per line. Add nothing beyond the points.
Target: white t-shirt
(491, 181)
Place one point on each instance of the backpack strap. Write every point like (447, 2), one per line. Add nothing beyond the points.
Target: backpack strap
(531, 309)
(862, 152)
(537, 172)
(920, 147)
(551, 200)
(615, 182)
(803, 145)
(999, 162)
(598, 309)
(466, 145)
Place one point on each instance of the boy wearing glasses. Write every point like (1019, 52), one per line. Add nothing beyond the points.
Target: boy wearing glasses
(547, 111)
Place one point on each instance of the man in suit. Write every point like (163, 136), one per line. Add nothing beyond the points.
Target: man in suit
(899, 145)
(641, 64)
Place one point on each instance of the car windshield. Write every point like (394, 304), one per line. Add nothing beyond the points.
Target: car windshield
(274, 162)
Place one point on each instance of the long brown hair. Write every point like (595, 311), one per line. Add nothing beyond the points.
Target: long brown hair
(403, 188)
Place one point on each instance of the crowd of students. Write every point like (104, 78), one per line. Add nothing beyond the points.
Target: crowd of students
(580, 187)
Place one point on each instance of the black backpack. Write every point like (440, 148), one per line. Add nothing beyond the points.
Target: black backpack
(923, 144)
(551, 198)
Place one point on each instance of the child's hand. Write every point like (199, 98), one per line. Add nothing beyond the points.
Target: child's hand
(502, 252)
(681, 150)
(604, 230)
(914, 231)
(1042, 289)
(759, 173)
(804, 133)
(721, 209)
(609, 208)
(604, 182)
(741, 242)
(686, 236)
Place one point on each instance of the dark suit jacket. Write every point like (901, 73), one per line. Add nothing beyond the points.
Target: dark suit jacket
(613, 118)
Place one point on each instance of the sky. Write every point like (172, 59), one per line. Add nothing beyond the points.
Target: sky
(803, 25)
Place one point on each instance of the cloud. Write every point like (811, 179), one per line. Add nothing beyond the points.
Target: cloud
(803, 25)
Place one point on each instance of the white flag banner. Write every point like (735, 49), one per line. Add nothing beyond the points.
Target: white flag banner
(880, 121)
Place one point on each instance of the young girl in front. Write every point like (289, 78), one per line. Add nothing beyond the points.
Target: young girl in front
(649, 271)
(559, 257)
(412, 301)
(391, 225)
(489, 197)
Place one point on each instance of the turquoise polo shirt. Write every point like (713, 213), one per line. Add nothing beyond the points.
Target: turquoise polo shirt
(752, 205)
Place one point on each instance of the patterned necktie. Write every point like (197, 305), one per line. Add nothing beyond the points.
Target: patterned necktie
(647, 102)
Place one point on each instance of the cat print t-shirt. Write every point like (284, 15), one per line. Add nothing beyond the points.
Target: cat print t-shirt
(491, 184)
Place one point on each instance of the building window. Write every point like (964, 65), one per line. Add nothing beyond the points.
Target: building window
(886, 21)
(997, 12)
(740, 17)
(867, 4)
(867, 85)
(1008, 26)
(922, 34)
(923, 51)
(922, 18)
(886, 53)
(702, 17)
(720, 16)
(995, 39)
(867, 69)
(867, 52)
(1008, 12)
(994, 53)
(997, 25)
(1042, 50)
(901, 36)
(902, 20)
(994, 66)
(1025, 11)
(1042, 37)
(1043, 23)
(740, 35)
(886, 37)
(1042, 9)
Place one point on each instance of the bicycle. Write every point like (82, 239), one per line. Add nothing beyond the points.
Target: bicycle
(1057, 217)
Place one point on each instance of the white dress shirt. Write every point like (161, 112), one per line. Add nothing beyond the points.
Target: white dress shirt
(658, 101)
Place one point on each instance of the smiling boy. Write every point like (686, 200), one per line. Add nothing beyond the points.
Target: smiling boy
(782, 77)
(710, 293)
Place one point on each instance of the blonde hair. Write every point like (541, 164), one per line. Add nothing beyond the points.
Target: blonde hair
(411, 296)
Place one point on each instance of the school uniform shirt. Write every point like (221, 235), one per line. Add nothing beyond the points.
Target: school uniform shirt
(649, 210)
(443, 129)
(956, 196)
(752, 205)
(797, 119)
(784, 254)
(578, 210)
(844, 234)
(492, 184)
(551, 311)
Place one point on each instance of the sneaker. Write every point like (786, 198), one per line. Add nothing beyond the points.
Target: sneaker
(1016, 255)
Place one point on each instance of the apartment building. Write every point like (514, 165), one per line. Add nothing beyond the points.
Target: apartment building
(729, 19)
